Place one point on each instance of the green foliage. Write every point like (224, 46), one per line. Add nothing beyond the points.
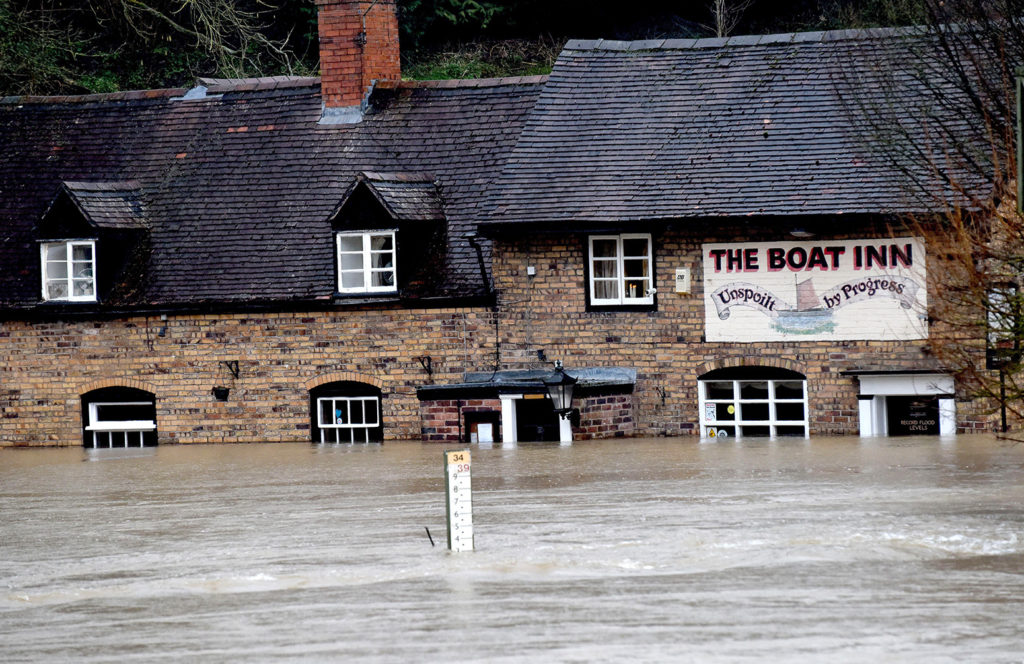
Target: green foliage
(491, 59)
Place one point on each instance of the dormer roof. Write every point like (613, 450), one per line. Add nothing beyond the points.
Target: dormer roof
(109, 204)
(404, 196)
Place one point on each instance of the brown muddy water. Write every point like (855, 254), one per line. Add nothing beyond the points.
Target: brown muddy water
(827, 550)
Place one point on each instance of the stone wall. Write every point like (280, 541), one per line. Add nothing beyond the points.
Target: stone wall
(46, 366)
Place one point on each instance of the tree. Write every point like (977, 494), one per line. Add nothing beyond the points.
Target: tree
(63, 46)
(939, 109)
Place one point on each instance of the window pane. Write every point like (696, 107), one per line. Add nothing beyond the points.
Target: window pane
(56, 290)
(56, 252)
(350, 242)
(356, 410)
(635, 289)
(371, 412)
(752, 412)
(352, 279)
(790, 431)
(82, 270)
(636, 268)
(606, 290)
(635, 247)
(751, 432)
(81, 253)
(606, 269)
(718, 390)
(386, 278)
(326, 412)
(82, 287)
(605, 248)
(382, 259)
(380, 242)
(790, 389)
(351, 261)
(758, 390)
(789, 411)
(56, 270)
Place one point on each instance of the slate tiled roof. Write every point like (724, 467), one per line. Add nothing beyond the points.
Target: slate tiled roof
(239, 185)
(670, 129)
(116, 205)
(406, 196)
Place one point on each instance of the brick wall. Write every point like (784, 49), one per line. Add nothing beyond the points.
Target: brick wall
(443, 420)
(46, 366)
(608, 416)
(548, 313)
(346, 67)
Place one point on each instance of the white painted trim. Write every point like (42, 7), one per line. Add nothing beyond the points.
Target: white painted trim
(69, 279)
(906, 385)
(367, 269)
(508, 418)
(947, 417)
(564, 430)
(620, 275)
(865, 417)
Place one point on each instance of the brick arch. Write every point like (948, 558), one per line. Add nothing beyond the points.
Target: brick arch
(117, 382)
(341, 376)
(750, 361)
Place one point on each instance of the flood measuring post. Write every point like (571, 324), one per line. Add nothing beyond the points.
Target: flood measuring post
(459, 499)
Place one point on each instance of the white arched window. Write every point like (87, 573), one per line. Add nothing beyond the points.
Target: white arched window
(743, 402)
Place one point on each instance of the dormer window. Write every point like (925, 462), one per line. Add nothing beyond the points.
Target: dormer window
(366, 262)
(83, 217)
(69, 270)
(383, 220)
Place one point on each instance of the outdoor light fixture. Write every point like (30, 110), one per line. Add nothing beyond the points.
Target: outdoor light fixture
(560, 388)
(801, 233)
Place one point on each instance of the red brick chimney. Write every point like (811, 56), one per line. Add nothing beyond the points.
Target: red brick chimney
(358, 44)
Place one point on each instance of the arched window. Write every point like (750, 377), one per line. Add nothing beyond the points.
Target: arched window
(118, 417)
(753, 401)
(346, 412)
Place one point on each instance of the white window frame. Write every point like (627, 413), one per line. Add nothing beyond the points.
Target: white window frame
(347, 432)
(69, 279)
(367, 269)
(737, 402)
(129, 432)
(622, 298)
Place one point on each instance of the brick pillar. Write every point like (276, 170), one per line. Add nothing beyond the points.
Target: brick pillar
(350, 59)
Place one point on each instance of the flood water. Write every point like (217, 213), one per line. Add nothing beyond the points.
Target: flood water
(828, 550)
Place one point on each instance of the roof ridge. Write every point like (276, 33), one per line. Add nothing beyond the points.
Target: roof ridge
(124, 95)
(461, 82)
(741, 40)
(214, 86)
(221, 85)
(103, 185)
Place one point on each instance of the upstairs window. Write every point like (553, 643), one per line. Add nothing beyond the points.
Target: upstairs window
(366, 262)
(620, 270)
(69, 270)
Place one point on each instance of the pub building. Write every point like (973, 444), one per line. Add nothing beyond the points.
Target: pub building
(689, 227)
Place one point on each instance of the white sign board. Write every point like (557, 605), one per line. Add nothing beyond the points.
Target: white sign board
(816, 290)
(458, 483)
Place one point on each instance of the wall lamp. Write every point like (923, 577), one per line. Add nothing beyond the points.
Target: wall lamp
(560, 388)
